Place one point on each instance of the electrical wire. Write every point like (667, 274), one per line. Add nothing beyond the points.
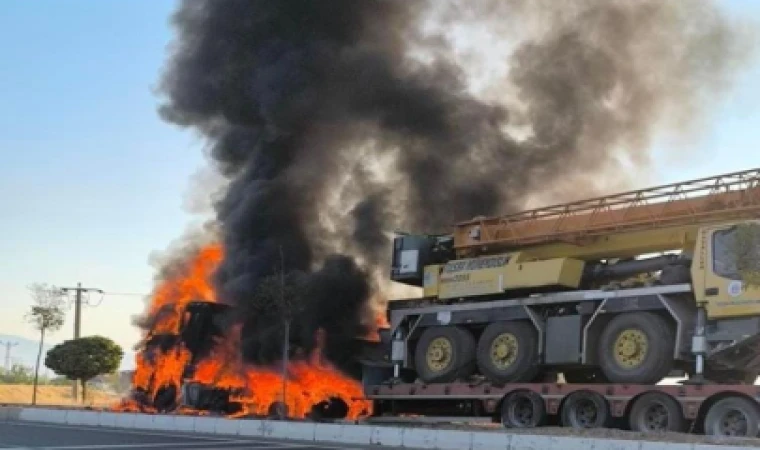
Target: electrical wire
(127, 294)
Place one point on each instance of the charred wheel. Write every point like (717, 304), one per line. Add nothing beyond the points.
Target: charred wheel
(585, 409)
(523, 409)
(444, 354)
(657, 412)
(508, 352)
(733, 416)
(636, 348)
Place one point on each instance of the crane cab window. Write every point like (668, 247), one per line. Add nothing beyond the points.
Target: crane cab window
(736, 250)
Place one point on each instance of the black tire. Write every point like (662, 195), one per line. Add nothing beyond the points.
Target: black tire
(657, 360)
(584, 376)
(733, 416)
(461, 363)
(523, 409)
(524, 367)
(656, 412)
(585, 409)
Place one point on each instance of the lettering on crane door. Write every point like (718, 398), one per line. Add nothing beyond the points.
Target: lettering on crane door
(489, 262)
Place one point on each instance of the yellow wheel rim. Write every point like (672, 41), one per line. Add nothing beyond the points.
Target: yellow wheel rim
(439, 354)
(631, 348)
(504, 350)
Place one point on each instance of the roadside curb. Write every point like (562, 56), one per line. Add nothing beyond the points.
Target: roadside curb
(378, 435)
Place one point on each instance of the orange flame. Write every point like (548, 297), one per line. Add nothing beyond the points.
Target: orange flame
(308, 383)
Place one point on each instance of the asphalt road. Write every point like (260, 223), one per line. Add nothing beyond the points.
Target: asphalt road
(27, 436)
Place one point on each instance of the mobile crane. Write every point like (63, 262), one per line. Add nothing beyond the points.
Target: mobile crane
(614, 292)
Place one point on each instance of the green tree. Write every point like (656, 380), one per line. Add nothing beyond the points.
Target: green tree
(46, 314)
(85, 358)
(18, 374)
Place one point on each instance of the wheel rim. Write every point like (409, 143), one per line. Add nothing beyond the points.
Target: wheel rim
(504, 350)
(631, 348)
(733, 423)
(439, 354)
(655, 418)
(585, 414)
(521, 412)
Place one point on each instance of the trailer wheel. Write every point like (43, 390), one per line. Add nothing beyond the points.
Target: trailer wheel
(657, 412)
(733, 416)
(585, 409)
(523, 409)
(636, 348)
(507, 352)
(444, 354)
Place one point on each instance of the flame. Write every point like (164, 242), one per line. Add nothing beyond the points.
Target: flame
(162, 362)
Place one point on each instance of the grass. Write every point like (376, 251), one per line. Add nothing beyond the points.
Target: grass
(53, 395)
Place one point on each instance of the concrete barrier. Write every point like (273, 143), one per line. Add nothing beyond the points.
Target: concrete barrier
(205, 425)
(381, 436)
(251, 428)
(488, 441)
(43, 415)
(184, 423)
(227, 427)
(674, 446)
(298, 431)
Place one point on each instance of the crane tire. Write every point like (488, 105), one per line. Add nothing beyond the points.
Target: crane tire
(656, 412)
(585, 409)
(636, 348)
(444, 354)
(733, 416)
(519, 362)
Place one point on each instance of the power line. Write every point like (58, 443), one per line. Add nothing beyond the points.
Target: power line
(128, 294)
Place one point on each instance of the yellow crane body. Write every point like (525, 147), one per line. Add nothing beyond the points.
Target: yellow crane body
(623, 287)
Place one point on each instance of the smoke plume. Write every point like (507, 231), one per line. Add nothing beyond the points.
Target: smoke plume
(336, 122)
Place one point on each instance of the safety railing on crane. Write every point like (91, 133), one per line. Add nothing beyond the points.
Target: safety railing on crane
(723, 197)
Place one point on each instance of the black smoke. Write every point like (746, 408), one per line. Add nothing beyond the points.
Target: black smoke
(333, 131)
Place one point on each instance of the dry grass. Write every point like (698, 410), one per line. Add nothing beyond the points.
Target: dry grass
(53, 395)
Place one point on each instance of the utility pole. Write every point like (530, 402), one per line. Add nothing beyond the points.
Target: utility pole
(286, 343)
(78, 319)
(8, 346)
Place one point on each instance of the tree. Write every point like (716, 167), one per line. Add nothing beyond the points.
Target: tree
(84, 359)
(46, 315)
(18, 374)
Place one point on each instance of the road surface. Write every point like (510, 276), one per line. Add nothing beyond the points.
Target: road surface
(28, 436)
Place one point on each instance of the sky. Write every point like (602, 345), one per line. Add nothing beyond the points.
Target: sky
(92, 181)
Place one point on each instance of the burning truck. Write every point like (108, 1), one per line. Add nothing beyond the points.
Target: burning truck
(190, 360)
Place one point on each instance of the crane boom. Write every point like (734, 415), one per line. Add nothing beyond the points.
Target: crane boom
(697, 202)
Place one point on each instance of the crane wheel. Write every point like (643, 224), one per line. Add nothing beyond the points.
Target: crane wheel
(636, 348)
(585, 409)
(444, 354)
(523, 409)
(657, 412)
(733, 416)
(508, 352)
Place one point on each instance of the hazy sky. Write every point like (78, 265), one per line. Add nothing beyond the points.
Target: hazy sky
(92, 181)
